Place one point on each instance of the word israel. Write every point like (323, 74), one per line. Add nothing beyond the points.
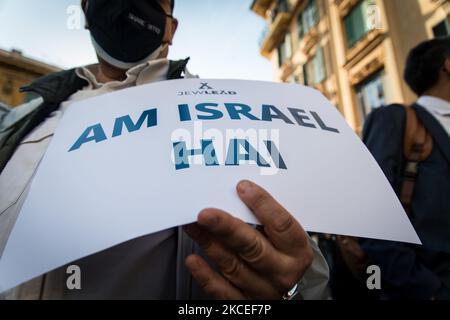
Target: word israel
(239, 111)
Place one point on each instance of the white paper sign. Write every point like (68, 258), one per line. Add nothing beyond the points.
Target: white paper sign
(137, 161)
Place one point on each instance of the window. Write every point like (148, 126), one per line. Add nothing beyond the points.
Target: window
(442, 29)
(319, 66)
(314, 70)
(370, 94)
(284, 50)
(308, 18)
(357, 23)
(283, 6)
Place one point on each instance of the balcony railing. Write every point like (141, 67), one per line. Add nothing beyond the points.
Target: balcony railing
(275, 33)
(261, 7)
(281, 7)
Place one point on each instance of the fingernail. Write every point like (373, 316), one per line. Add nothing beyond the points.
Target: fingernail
(208, 220)
(244, 187)
(191, 262)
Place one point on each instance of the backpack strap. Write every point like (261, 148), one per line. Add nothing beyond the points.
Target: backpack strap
(417, 147)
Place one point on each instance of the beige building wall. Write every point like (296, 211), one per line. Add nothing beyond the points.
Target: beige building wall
(397, 26)
(17, 71)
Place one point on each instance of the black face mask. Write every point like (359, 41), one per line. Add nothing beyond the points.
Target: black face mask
(126, 32)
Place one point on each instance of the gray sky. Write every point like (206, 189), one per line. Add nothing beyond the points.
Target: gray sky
(221, 37)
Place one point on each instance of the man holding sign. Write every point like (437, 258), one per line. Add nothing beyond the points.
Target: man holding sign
(131, 39)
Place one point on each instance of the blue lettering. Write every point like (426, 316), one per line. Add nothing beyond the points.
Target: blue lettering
(300, 116)
(98, 136)
(183, 110)
(322, 124)
(182, 153)
(213, 113)
(267, 114)
(150, 115)
(237, 109)
(234, 155)
(275, 155)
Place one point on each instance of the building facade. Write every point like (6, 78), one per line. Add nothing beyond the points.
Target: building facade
(353, 51)
(17, 71)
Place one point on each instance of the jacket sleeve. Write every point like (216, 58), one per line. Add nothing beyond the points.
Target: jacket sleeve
(11, 116)
(313, 286)
(402, 274)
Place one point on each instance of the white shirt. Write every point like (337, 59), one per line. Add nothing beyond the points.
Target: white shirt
(439, 108)
(142, 74)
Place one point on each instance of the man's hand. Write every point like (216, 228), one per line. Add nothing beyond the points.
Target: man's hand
(253, 264)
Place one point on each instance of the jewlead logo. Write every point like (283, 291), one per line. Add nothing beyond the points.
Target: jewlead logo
(205, 86)
(206, 89)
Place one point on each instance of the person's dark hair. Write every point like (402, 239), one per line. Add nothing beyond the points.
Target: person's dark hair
(425, 62)
(173, 4)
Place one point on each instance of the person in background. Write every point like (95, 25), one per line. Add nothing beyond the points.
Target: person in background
(422, 184)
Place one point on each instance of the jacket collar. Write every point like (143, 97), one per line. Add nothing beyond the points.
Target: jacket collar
(176, 69)
(438, 133)
(57, 87)
(435, 105)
